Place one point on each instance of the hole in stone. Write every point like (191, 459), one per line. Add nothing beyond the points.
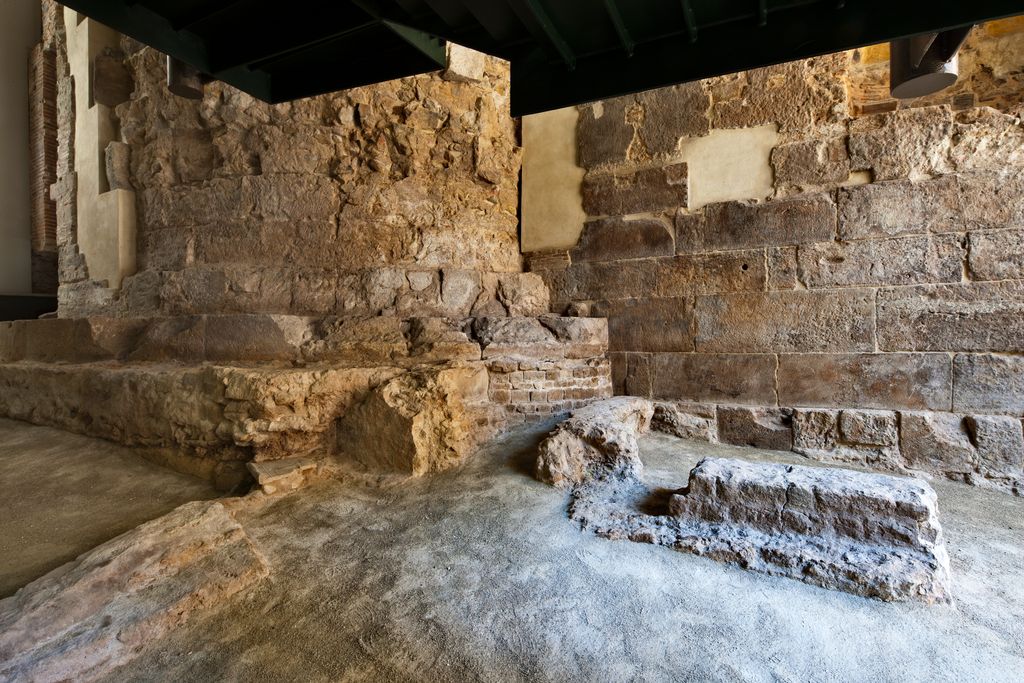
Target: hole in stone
(744, 266)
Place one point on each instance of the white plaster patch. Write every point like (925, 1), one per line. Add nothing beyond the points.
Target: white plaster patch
(552, 208)
(730, 164)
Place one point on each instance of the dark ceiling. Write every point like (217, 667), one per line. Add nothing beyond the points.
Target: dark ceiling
(562, 52)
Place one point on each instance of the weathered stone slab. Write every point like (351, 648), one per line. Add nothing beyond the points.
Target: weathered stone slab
(863, 437)
(617, 239)
(686, 420)
(996, 255)
(899, 261)
(718, 377)
(958, 317)
(591, 281)
(909, 143)
(602, 134)
(869, 427)
(900, 207)
(597, 440)
(913, 381)
(1000, 444)
(742, 225)
(988, 383)
(729, 271)
(758, 427)
(981, 449)
(83, 620)
(641, 191)
(287, 474)
(650, 324)
(795, 96)
(811, 163)
(869, 534)
(464, 65)
(672, 113)
(786, 321)
(937, 442)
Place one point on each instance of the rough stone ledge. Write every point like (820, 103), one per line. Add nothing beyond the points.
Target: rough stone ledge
(980, 450)
(869, 534)
(299, 339)
(84, 619)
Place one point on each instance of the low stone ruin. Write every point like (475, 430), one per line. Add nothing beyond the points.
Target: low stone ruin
(870, 534)
(219, 395)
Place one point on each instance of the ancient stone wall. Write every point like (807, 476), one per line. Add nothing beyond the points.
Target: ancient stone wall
(395, 198)
(882, 269)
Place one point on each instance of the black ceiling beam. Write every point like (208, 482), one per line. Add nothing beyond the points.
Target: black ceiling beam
(727, 48)
(537, 11)
(620, 26)
(689, 20)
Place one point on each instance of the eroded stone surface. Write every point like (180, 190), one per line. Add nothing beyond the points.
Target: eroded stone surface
(685, 420)
(869, 534)
(598, 439)
(415, 423)
(98, 612)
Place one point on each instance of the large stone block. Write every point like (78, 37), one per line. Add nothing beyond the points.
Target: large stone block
(597, 440)
(1000, 444)
(730, 271)
(869, 534)
(723, 377)
(602, 134)
(996, 255)
(758, 427)
(914, 381)
(900, 207)
(811, 163)
(741, 225)
(640, 191)
(909, 143)
(649, 324)
(686, 420)
(948, 203)
(612, 280)
(988, 383)
(795, 96)
(96, 613)
(899, 261)
(862, 437)
(673, 113)
(956, 317)
(831, 321)
(937, 442)
(616, 239)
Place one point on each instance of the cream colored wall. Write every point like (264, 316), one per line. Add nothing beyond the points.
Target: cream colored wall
(19, 31)
(551, 215)
(106, 218)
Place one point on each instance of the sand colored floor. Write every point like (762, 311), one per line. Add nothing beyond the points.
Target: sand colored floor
(478, 575)
(62, 494)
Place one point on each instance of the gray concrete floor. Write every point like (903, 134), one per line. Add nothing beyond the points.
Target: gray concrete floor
(478, 574)
(62, 494)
